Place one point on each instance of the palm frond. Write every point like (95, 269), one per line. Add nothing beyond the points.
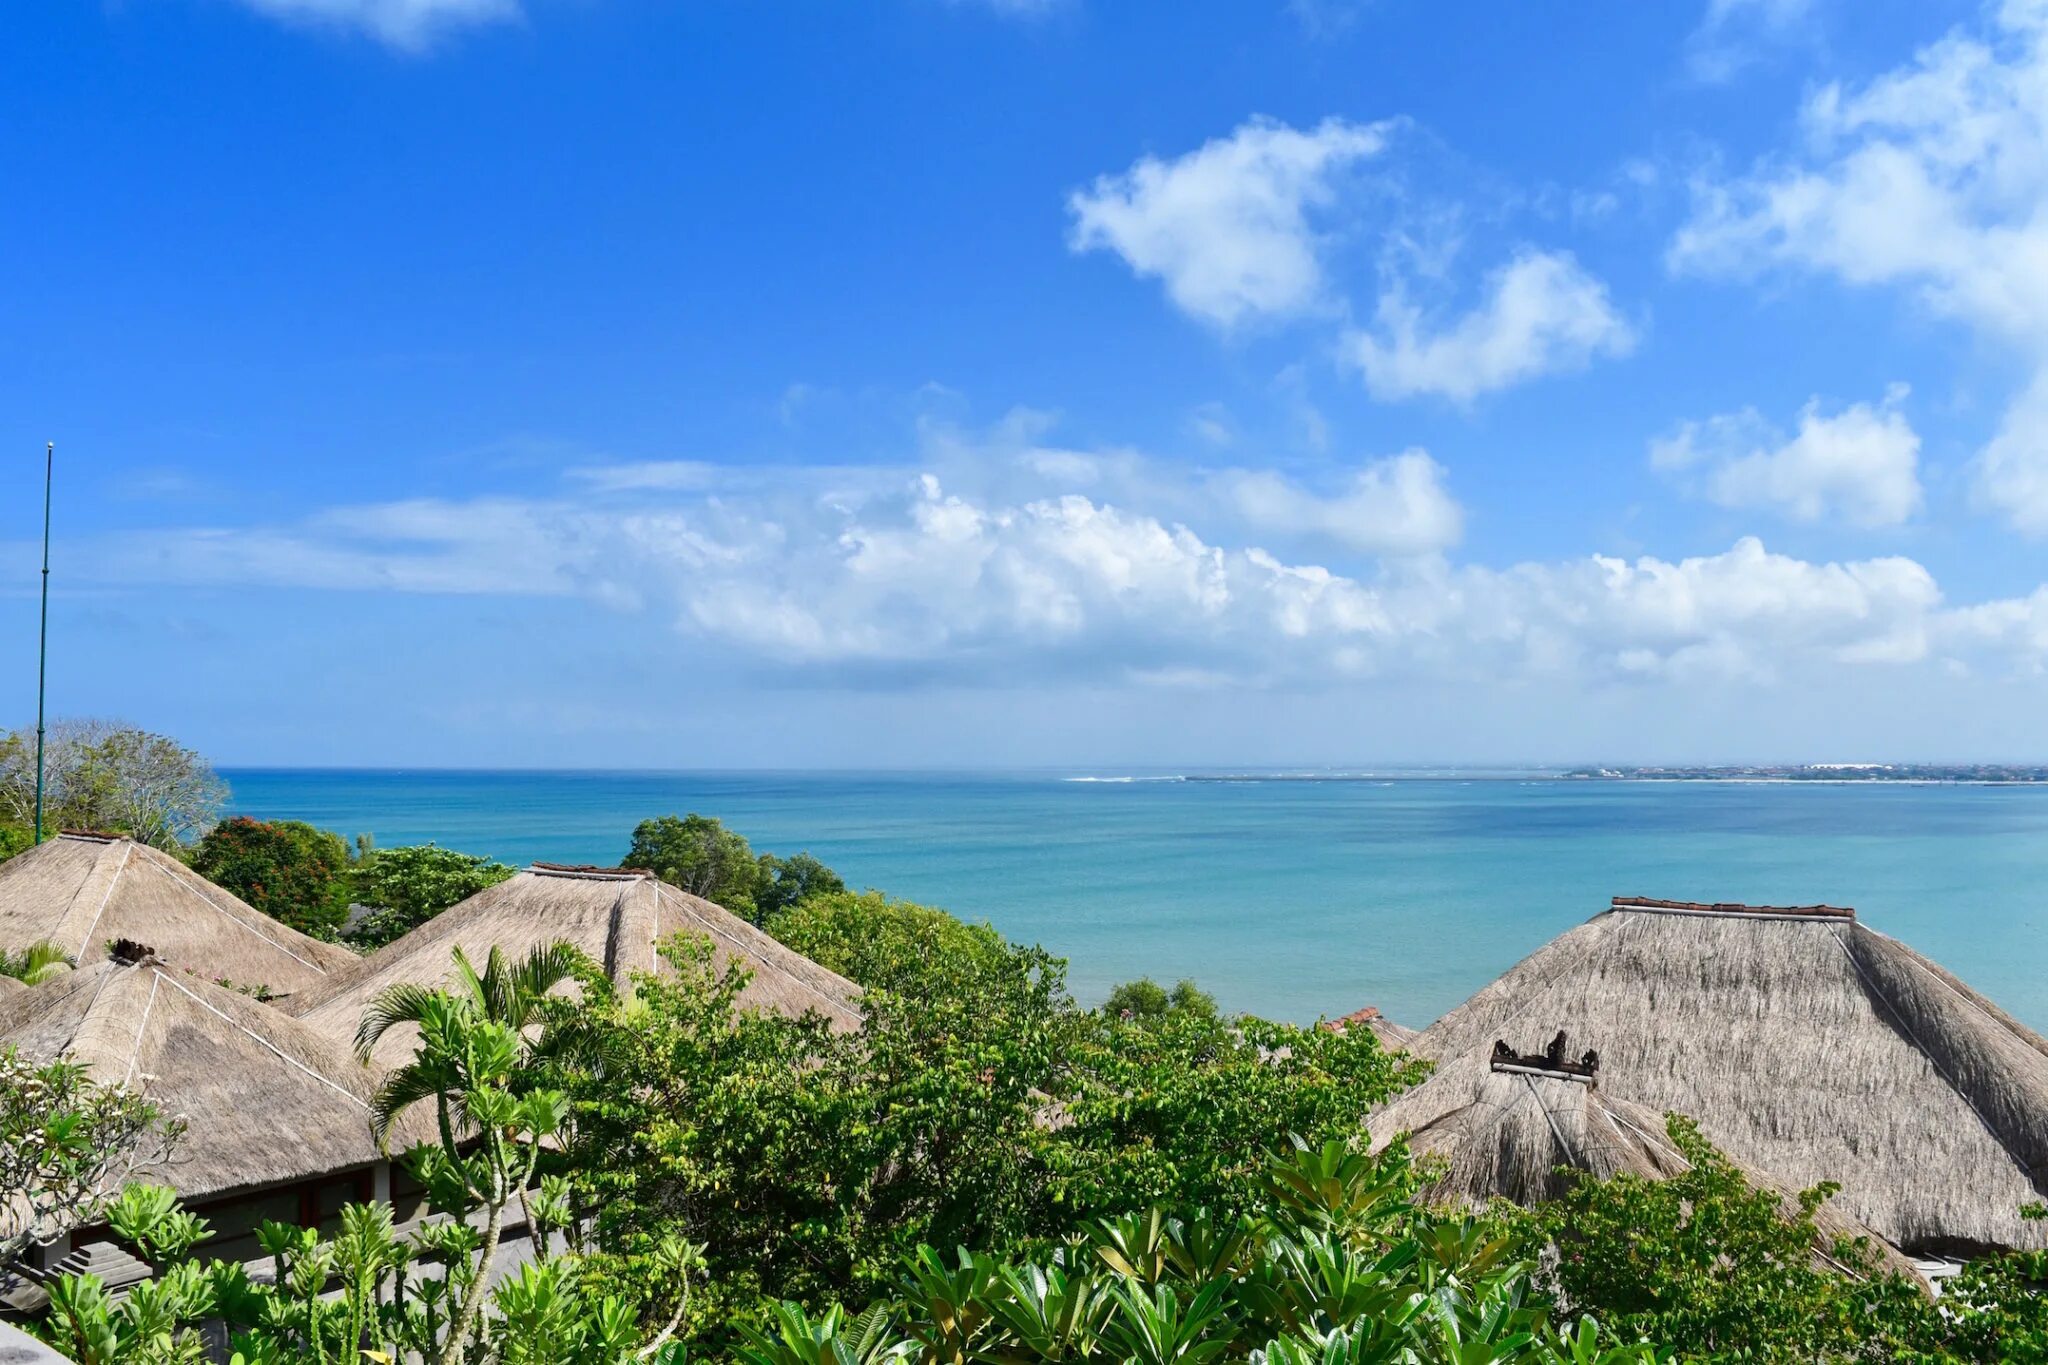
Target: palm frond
(406, 1002)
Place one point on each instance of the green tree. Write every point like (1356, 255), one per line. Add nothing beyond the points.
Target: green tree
(67, 1145)
(286, 868)
(106, 776)
(783, 882)
(14, 839)
(1145, 1001)
(1181, 1108)
(474, 1060)
(405, 887)
(1333, 1267)
(700, 855)
(1725, 1270)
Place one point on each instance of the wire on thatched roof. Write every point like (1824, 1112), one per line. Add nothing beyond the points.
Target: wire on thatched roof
(614, 916)
(1806, 1045)
(83, 890)
(268, 1099)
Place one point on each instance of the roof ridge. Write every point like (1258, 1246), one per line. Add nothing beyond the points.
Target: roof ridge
(589, 872)
(1731, 909)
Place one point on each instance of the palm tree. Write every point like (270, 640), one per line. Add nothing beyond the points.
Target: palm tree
(478, 1043)
(35, 964)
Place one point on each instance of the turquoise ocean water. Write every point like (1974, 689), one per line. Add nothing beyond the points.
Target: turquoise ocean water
(1289, 898)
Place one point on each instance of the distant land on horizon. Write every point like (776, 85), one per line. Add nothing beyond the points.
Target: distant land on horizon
(1826, 772)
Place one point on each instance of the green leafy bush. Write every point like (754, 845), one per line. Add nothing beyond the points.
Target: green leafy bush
(286, 868)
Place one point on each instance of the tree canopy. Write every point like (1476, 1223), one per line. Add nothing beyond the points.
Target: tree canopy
(103, 775)
(402, 888)
(288, 869)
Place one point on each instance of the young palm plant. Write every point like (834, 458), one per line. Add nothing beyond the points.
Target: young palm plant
(478, 1039)
(35, 964)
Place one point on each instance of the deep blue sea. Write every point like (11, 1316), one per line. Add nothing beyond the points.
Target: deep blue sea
(1291, 898)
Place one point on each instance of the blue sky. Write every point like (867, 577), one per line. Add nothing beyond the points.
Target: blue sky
(999, 382)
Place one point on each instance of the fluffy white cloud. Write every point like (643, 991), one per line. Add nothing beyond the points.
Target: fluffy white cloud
(1931, 178)
(1395, 506)
(916, 577)
(409, 25)
(1861, 464)
(1227, 227)
(1541, 314)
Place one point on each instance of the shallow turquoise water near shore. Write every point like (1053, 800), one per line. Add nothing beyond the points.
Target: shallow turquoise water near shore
(1289, 898)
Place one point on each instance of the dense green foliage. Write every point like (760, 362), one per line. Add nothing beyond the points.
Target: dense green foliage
(286, 868)
(980, 1106)
(1331, 1265)
(1145, 1001)
(403, 888)
(1733, 1273)
(700, 855)
(14, 839)
(104, 776)
(67, 1145)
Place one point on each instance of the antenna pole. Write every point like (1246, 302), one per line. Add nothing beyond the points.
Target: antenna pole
(43, 635)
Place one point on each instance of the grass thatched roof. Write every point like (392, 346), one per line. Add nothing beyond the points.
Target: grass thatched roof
(616, 917)
(1805, 1044)
(268, 1099)
(82, 891)
(1517, 1133)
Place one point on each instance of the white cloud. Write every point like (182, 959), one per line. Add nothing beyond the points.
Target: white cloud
(408, 25)
(1732, 32)
(992, 584)
(1228, 227)
(1395, 506)
(1861, 465)
(1932, 178)
(1541, 314)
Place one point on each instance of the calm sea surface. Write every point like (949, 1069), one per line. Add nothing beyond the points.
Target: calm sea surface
(1289, 898)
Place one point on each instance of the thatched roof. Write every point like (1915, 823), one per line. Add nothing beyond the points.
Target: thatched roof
(1517, 1132)
(617, 917)
(268, 1099)
(1805, 1044)
(81, 891)
(8, 986)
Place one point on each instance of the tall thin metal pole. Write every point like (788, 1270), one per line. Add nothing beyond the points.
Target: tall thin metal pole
(43, 635)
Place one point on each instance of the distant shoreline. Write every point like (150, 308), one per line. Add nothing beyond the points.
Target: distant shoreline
(1838, 774)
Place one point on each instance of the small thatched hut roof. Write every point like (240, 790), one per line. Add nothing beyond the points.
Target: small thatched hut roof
(1806, 1045)
(1513, 1131)
(81, 891)
(617, 917)
(1392, 1036)
(268, 1100)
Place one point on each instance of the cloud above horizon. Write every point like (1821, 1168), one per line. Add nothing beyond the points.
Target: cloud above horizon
(1540, 314)
(1050, 563)
(1861, 464)
(1230, 228)
(410, 26)
(1246, 228)
(1931, 179)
